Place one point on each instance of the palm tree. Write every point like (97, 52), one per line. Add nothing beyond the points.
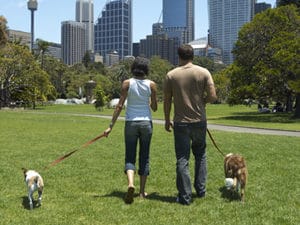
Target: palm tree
(42, 48)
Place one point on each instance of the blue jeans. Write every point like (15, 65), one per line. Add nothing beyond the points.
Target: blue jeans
(138, 131)
(187, 136)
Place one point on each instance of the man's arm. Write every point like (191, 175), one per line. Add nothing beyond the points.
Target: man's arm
(211, 94)
(167, 106)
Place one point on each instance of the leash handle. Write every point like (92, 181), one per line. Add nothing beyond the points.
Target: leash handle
(215, 144)
(72, 152)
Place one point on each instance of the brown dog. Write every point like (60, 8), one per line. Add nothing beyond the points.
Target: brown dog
(235, 174)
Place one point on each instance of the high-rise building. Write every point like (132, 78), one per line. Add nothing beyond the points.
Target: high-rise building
(113, 29)
(260, 7)
(85, 14)
(73, 41)
(159, 45)
(226, 17)
(179, 19)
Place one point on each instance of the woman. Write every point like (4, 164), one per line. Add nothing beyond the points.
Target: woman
(141, 96)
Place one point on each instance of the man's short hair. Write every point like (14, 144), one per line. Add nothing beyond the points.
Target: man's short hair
(186, 52)
(140, 66)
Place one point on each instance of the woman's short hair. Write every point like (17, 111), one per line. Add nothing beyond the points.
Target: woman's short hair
(140, 66)
(186, 52)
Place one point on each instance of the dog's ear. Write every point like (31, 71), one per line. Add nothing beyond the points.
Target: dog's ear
(24, 170)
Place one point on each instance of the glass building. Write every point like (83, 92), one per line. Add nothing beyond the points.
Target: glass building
(113, 29)
(179, 19)
(226, 17)
(85, 14)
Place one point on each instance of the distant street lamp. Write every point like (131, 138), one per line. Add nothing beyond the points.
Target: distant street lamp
(32, 6)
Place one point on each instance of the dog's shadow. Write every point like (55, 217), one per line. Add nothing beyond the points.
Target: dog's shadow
(152, 196)
(229, 195)
(25, 203)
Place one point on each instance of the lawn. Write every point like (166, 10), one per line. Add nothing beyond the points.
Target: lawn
(223, 114)
(88, 187)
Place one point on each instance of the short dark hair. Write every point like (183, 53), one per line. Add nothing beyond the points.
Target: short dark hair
(140, 66)
(186, 52)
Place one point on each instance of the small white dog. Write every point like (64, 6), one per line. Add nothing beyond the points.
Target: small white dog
(34, 182)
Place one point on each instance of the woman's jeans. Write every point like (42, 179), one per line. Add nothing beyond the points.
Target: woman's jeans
(138, 131)
(187, 136)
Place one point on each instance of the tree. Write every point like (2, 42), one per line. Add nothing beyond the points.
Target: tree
(86, 60)
(101, 99)
(21, 77)
(267, 58)
(158, 70)
(288, 2)
(42, 49)
(3, 31)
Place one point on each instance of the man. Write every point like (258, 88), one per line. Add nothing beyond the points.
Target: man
(190, 87)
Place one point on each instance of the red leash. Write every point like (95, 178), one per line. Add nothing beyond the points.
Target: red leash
(72, 152)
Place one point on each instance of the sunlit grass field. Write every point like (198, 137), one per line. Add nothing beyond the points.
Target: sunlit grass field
(224, 114)
(89, 186)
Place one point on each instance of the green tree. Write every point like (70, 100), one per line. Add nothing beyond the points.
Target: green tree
(42, 49)
(288, 2)
(86, 60)
(3, 31)
(101, 99)
(260, 69)
(21, 77)
(158, 69)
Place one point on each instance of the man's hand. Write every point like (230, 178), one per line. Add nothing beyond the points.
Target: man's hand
(168, 125)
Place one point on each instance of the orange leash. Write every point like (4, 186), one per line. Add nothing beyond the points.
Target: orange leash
(72, 152)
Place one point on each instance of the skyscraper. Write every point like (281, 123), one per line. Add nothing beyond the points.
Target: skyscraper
(85, 14)
(113, 29)
(73, 41)
(226, 17)
(179, 19)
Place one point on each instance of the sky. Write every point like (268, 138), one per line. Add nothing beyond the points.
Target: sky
(51, 13)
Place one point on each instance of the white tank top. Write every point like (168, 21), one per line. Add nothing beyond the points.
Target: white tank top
(138, 100)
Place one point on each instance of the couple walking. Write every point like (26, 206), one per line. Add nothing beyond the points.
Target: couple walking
(189, 87)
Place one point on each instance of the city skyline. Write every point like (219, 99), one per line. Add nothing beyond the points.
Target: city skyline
(48, 24)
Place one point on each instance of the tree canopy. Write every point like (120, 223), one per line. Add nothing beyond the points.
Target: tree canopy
(267, 59)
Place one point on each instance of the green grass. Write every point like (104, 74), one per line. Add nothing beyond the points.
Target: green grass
(88, 188)
(217, 114)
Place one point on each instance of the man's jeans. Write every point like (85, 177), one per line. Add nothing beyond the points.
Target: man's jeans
(187, 136)
(138, 131)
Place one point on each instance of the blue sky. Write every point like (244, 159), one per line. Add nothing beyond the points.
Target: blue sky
(51, 13)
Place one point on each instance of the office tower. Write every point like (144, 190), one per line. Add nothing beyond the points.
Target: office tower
(260, 7)
(226, 17)
(179, 19)
(73, 41)
(159, 45)
(85, 14)
(113, 29)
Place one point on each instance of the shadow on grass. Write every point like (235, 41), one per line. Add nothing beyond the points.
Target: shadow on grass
(153, 196)
(229, 195)
(260, 117)
(25, 203)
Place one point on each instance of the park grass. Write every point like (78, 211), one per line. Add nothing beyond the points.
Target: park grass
(88, 188)
(223, 114)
